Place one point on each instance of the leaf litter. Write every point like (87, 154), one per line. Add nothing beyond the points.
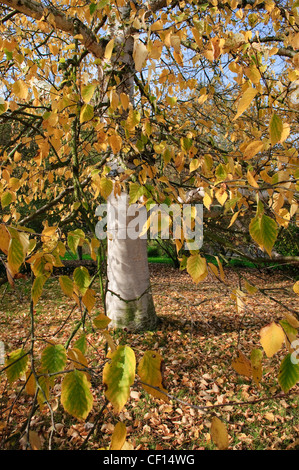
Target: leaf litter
(199, 336)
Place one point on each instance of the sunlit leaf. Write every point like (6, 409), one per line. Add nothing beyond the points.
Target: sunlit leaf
(106, 187)
(197, 267)
(76, 397)
(66, 285)
(37, 287)
(118, 437)
(263, 230)
(53, 358)
(89, 299)
(4, 239)
(272, 338)
(150, 372)
(140, 54)
(82, 279)
(86, 113)
(256, 357)
(242, 365)
(101, 321)
(219, 433)
(119, 375)
(20, 89)
(245, 101)
(6, 199)
(87, 92)
(16, 364)
(109, 49)
(16, 255)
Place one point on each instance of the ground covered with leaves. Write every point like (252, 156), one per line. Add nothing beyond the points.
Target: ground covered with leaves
(199, 335)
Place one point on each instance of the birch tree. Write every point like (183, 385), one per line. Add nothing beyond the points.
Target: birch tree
(157, 102)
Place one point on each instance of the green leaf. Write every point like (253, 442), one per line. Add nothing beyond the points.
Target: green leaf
(16, 255)
(81, 343)
(16, 365)
(66, 285)
(288, 374)
(6, 199)
(219, 433)
(53, 358)
(263, 230)
(73, 240)
(82, 279)
(276, 128)
(76, 397)
(37, 287)
(221, 172)
(92, 8)
(119, 375)
(3, 106)
(106, 187)
(135, 192)
(86, 113)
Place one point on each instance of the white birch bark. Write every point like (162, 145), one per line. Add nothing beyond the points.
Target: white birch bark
(129, 302)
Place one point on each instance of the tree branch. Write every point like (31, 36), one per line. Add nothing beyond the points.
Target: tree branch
(59, 20)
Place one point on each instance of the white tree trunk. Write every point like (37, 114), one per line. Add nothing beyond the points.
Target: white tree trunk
(129, 302)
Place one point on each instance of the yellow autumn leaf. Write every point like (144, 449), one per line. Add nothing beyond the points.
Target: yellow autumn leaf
(251, 180)
(125, 100)
(140, 54)
(242, 365)
(150, 373)
(250, 289)
(30, 386)
(296, 287)
(245, 101)
(89, 299)
(256, 357)
(109, 49)
(115, 143)
(194, 164)
(253, 74)
(78, 360)
(118, 437)
(197, 268)
(4, 239)
(272, 338)
(20, 89)
(219, 433)
(253, 148)
(291, 319)
(233, 219)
